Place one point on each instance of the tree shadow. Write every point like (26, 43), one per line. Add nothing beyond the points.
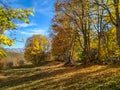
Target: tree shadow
(32, 66)
(81, 79)
(38, 76)
(68, 81)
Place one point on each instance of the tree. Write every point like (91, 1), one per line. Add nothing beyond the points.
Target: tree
(63, 41)
(8, 16)
(84, 27)
(113, 9)
(100, 26)
(36, 49)
(72, 20)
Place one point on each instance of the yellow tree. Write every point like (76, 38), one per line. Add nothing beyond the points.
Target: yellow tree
(112, 8)
(74, 19)
(37, 47)
(89, 23)
(63, 42)
(8, 16)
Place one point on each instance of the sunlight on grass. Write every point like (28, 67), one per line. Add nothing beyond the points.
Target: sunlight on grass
(2, 77)
(56, 77)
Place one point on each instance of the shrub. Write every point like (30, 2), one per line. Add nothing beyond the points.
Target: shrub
(37, 60)
(9, 64)
(20, 62)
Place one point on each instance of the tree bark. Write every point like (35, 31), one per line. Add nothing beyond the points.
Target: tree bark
(117, 12)
(118, 33)
(70, 61)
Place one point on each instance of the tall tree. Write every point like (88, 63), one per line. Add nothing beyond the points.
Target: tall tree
(113, 9)
(88, 23)
(78, 13)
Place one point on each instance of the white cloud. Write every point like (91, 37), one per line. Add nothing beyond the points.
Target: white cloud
(23, 32)
(45, 11)
(34, 31)
(26, 25)
(44, 7)
(45, 2)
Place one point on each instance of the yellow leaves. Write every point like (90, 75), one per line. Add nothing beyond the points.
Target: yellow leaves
(2, 53)
(33, 52)
(5, 40)
(35, 46)
(7, 17)
(31, 13)
(88, 20)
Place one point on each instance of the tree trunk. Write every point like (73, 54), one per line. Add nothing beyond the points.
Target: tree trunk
(70, 61)
(118, 34)
(117, 13)
(99, 47)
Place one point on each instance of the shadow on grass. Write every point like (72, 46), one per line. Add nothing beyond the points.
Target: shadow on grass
(32, 66)
(27, 79)
(19, 81)
(85, 81)
(68, 81)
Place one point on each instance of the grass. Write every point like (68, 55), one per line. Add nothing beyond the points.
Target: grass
(54, 76)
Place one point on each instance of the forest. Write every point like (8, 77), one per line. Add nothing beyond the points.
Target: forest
(81, 51)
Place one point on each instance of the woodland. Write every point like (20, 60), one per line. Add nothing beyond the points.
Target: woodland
(82, 51)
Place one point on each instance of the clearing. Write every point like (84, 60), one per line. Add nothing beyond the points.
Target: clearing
(54, 76)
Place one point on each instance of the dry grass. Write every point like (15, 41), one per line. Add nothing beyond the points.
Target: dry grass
(54, 76)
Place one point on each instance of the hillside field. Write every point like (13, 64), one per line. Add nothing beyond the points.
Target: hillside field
(55, 76)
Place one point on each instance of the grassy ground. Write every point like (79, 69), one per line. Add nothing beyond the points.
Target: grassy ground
(54, 76)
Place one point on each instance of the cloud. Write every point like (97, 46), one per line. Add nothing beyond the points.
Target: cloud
(34, 31)
(45, 2)
(26, 25)
(45, 11)
(44, 7)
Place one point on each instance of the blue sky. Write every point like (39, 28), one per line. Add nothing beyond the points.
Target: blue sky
(39, 24)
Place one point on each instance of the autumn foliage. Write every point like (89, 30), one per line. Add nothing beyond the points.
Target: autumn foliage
(8, 16)
(87, 31)
(36, 49)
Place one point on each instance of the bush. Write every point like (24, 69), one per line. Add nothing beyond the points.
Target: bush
(39, 59)
(20, 62)
(9, 64)
(1, 65)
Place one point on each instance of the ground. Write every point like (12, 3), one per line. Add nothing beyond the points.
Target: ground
(55, 76)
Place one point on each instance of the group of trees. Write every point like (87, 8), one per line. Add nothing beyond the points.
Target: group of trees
(88, 30)
(85, 30)
(37, 46)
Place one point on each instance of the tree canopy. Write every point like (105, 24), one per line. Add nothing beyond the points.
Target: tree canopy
(83, 29)
(8, 17)
(36, 48)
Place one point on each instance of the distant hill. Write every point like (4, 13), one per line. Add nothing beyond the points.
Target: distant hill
(16, 50)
